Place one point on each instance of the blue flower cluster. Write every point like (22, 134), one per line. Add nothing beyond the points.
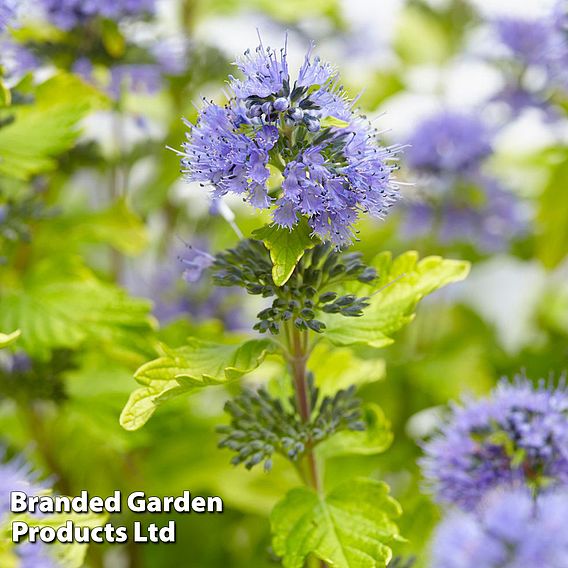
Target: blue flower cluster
(511, 530)
(518, 436)
(331, 164)
(68, 14)
(535, 43)
(16, 475)
(448, 151)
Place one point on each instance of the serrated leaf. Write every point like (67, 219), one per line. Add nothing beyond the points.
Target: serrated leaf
(187, 369)
(9, 338)
(286, 246)
(60, 303)
(351, 527)
(402, 283)
(332, 121)
(375, 439)
(44, 129)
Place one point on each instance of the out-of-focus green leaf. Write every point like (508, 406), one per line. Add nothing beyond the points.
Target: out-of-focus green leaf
(336, 368)
(351, 527)
(434, 45)
(286, 246)
(375, 439)
(118, 225)
(402, 283)
(58, 302)
(46, 128)
(552, 237)
(187, 369)
(9, 338)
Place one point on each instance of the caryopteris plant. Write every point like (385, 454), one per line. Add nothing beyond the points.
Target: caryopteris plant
(299, 148)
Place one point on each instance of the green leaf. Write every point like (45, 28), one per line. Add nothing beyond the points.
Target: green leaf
(186, 370)
(118, 225)
(9, 338)
(286, 246)
(332, 121)
(351, 527)
(59, 303)
(45, 129)
(552, 237)
(402, 283)
(376, 438)
(339, 368)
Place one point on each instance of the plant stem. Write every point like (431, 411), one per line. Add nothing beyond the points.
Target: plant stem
(299, 353)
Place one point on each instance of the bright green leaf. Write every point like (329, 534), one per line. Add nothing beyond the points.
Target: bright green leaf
(286, 246)
(60, 303)
(187, 369)
(402, 283)
(9, 338)
(53, 119)
(351, 527)
(552, 237)
(336, 368)
(332, 121)
(375, 439)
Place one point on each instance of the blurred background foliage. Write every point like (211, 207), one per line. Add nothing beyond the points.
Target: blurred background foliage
(95, 222)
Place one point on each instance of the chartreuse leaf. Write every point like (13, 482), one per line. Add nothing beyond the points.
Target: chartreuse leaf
(552, 237)
(186, 370)
(339, 368)
(117, 225)
(351, 527)
(333, 121)
(402, 283)
(286, 246)
(375, 439)
(58, 303)
(46, 128)
(9, 338)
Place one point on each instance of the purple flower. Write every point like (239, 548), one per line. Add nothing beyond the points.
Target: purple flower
(540, 43)
(17, 475)
(463, 204)
(519, 435)
(68, 14)
(7, 13)
(329, 156)
(140, 78)
(527, 39)
(509, 530)
(16, 59)
(449, 143)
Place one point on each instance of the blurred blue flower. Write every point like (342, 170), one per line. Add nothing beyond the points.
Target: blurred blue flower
(332, 164)
(67, 14)
(540, 43)
(179, 289)
(510, 530)
(17, 475)
(7, 13)
(459, 201)
(134, 78)
(519, 435)
(449, 142)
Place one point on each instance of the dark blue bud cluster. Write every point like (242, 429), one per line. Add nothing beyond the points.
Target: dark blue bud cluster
(308, 292)
(262, 425)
